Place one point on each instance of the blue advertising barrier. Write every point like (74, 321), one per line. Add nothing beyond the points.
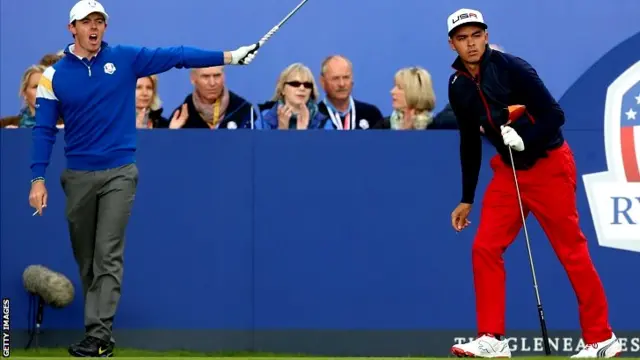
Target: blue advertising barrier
(328, 231)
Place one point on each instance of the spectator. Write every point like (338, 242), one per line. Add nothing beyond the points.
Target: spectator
(444, 120)
(413, 100)
(28, 86)
(149, 107)
(346, 113)
(212, 105)
(293, 105)
(50, 59)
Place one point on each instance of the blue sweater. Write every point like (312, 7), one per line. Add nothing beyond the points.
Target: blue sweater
(269, 117)
(96, 99)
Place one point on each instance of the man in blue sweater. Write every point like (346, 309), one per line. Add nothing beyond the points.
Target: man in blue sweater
(93, 89)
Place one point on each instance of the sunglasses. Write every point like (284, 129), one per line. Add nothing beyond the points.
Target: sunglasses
(306, 84)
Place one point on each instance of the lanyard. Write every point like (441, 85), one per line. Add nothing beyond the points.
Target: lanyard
(350, 120)
(216, 113)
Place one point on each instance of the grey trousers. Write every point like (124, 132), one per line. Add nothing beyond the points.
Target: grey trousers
(98, 209)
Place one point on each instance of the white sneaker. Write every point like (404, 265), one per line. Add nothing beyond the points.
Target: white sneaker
(485, 346)
(604, 349)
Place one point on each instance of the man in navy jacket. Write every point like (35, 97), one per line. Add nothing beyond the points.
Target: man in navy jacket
(503, 94)
(92, 89)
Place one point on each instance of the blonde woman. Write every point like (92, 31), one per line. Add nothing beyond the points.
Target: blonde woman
(51, 58)
(27, 91)
(293, 105)
(149, 107)
(413, 100)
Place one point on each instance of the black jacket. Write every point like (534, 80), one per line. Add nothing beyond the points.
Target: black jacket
(157, 120)
(368, 115)
(503, 80)
(444, 120)
(237, 115)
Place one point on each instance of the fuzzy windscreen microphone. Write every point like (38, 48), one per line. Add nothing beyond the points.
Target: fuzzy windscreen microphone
(54, 288)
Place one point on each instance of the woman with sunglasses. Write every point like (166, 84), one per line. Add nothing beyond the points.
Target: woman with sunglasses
(293, 105)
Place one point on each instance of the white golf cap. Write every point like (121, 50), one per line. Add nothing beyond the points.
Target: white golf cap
(464, 17)
(83, 8)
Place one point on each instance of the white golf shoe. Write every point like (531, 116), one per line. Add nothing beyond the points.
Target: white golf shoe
(485, 346)
(604, 349)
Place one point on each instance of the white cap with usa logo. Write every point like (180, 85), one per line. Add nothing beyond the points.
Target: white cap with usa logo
(83, 8)
(464, 17)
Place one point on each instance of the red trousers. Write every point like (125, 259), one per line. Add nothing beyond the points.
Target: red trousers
(548, 191)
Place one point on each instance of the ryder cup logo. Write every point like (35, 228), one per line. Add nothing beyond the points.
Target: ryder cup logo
(109, 68)
(614, 195)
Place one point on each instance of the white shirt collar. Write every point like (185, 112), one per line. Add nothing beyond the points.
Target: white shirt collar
(72, 47)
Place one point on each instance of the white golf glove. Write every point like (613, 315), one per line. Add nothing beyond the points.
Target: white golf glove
(511, 138)
(244, 55)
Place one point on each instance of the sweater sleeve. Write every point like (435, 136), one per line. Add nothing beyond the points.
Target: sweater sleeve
(546, 111)
(470, 148)
(44, 131)
(266, 120)
(150, 61)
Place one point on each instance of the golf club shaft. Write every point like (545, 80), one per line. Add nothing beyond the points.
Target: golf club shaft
(277, 27)
(274, 29)
(543, 322)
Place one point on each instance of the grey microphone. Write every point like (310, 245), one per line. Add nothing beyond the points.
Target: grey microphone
(54, 288)
(51, 288)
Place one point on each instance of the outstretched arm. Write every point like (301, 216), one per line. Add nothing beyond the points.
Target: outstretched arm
(44, 132)
(150, 61)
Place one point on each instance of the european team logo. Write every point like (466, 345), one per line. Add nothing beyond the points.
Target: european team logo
(614, 195)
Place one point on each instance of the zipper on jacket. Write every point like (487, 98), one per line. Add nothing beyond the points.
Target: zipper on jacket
(87, 65)
(484, 100)
(486, 107)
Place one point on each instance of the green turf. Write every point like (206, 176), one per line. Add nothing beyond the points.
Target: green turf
(134, 353)
(52, 354)
(277, 358)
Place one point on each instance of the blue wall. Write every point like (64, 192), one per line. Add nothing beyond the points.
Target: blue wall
(279, 230)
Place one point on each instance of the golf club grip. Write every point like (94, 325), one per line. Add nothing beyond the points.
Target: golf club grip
(545, 335)
(261, 42)
(264, 39)
(267, 36)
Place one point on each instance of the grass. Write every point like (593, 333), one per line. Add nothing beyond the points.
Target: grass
(53, 354)
(149, 354)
